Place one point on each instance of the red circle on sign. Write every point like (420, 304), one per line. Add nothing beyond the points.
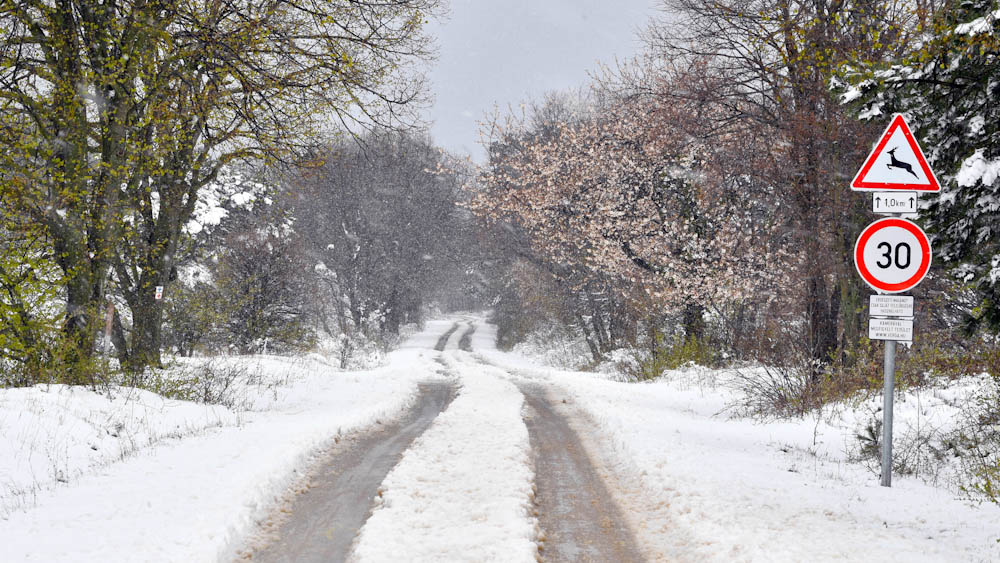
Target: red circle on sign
(925, 255)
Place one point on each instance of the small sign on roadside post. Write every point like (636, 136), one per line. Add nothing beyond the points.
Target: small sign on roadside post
(894, 202)
(900, 330)
(890, 306)
(159, 293)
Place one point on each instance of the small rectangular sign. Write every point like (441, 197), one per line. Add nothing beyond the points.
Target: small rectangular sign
(890, 306)
(900, 330)
(894, 202)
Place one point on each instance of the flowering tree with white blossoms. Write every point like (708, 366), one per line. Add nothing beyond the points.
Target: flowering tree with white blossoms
(621, 194)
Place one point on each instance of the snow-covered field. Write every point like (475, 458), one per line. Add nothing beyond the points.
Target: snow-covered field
(52, 434)
(194, 478)
(702, 485)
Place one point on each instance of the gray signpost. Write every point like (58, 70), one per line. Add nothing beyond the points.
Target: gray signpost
(888, 389)
(891, 321)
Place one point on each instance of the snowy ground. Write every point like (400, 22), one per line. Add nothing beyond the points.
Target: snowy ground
(51, 434)
(134, 477)
(195, 477)
(701, 485)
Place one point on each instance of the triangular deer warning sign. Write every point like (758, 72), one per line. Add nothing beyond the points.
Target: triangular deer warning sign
(897, 163)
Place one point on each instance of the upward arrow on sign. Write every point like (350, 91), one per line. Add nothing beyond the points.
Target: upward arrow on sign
(896, 163)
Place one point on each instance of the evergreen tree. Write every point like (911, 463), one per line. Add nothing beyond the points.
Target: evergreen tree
(948, 86)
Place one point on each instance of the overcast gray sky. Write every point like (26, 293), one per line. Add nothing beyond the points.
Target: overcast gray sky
(500, 53)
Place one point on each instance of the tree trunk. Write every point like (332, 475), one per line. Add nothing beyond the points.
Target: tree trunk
(595, 350)
(694, 322)
(84, 303)
(653, 335)
(597, 321)
(822, 310)
(143, 349)
(738, 329)
(147, 320)
(393, 317)
(622, 327)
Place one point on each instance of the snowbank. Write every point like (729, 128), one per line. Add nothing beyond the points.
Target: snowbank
(54, 433)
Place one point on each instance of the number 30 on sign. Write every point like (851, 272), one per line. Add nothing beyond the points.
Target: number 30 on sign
(892, 255)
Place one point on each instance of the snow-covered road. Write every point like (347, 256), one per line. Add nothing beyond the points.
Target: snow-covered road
(320, 522)
(465, 488)
(505, 472)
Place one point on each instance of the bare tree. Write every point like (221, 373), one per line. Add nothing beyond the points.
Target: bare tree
(761, 70)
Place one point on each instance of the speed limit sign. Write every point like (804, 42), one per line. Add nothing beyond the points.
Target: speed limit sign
(892, 255)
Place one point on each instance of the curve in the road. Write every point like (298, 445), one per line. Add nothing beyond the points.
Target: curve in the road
(324, 520)
(465, 343)
(443, 341)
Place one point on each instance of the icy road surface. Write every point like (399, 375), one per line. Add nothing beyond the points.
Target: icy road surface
(580, 520)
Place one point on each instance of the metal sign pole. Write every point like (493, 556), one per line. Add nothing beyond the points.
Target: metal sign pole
(889, 372)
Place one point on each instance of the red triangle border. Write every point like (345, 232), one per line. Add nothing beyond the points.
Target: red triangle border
(860, 185)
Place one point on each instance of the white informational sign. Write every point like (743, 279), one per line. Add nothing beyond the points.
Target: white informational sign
(900, 330)
(894, 202)
(890, 306)
(159, 292)
(892, 255)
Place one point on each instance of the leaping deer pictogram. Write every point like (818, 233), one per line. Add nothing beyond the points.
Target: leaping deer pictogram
(899, 163)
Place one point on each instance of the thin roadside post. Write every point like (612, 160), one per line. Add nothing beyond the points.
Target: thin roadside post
(889, 374)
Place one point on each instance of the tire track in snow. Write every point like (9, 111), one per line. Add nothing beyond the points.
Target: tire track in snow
(323, 520)
(465, 343)
(443, 341)
(578, 516)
